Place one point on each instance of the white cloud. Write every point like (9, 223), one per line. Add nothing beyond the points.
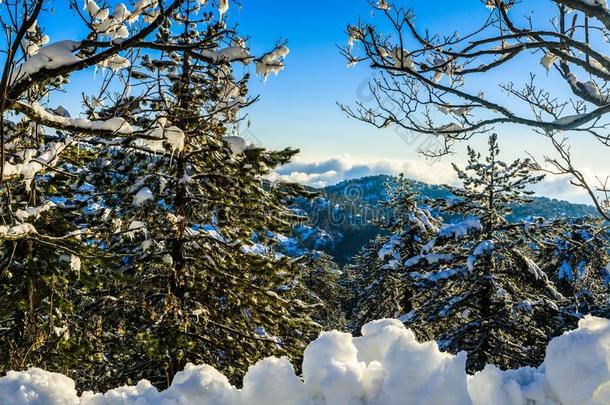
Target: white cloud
(321, 173)
(559, 187)
(331, 171)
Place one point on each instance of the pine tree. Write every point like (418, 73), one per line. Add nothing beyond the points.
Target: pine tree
(184, 203)
(320, 277)
(477, 285)
(377, 277)
(40, 276)
(41, 232)
(574, 253)
(49, 254)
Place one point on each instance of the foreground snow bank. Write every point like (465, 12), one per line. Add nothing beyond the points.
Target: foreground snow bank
(384, 366)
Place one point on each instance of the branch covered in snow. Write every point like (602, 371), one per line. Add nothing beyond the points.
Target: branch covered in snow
(33, 161)
(58, 59)
(16, 232)
(27, 230)
(112, 126)
(432, 86)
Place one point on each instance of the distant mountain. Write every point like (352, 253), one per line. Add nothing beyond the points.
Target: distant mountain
(342, 219)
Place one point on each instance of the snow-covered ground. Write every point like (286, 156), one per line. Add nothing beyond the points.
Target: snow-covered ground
(384, 366)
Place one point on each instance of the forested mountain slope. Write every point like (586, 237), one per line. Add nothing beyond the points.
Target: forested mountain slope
(342, 219)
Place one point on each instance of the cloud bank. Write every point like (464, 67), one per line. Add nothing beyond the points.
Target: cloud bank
(345, 167)
(327, 172)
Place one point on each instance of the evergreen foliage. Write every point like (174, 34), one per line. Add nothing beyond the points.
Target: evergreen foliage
(488, 286)
(376, 276)
(176, 220)
(186, 204)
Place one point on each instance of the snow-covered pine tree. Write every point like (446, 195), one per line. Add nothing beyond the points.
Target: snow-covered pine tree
(377, 276)
(574, 253)
(320, 277)
(476, 284)
(40, 228)
(183, 205)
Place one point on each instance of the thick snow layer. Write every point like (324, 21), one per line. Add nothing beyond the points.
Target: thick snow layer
(33, 212)
(461, 229)
(272, 62)
(386, 365)
(16, 232)
(34, 161)
(52, 56)
(389, 249)
(237, 144)
(159, 136)
(116, 124)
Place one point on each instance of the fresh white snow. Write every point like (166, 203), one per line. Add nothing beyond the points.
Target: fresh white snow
(386, 365)
(34, 161)
(116, 124)
(144, 194)
(272, 62)
(460, 229)
(52, 56)
(16, 231)
(33, 212)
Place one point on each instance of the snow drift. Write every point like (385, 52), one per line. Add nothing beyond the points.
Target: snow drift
(384, 366)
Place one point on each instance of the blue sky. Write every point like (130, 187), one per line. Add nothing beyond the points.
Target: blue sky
(298, 108)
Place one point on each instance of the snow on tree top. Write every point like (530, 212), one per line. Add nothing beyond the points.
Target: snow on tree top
(460, 229)
(52, 56)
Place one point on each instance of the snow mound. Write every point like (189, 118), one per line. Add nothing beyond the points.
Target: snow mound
(37, 387)
(386, 365)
